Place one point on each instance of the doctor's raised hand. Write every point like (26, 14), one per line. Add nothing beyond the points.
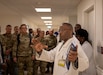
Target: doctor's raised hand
(37, 45)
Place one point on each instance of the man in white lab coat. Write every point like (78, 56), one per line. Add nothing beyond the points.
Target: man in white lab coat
(67, 60)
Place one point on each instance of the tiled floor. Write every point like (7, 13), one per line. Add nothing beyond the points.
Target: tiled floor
(46, 73)
(39, 73)
(25, 73)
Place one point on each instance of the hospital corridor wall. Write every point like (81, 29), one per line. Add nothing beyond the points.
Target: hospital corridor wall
(90, 16)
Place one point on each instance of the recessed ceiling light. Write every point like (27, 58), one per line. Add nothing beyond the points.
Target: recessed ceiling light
(47, 21)
(46, 17)
(48, 24)
(43, 9)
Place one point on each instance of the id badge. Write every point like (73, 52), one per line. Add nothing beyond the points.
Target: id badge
(61, 63)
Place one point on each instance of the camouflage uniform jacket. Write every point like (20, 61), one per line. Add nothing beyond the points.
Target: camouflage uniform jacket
(7, 43)
(52, 41)
(23, 47)
(42, 40)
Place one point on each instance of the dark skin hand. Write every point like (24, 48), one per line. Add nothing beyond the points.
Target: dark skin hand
(72, 56)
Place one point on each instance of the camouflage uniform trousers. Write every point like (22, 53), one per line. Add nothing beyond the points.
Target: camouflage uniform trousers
(10, 68)
(42, 65)
(25, 62)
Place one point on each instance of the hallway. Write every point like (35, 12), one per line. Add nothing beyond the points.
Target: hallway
(87, 13)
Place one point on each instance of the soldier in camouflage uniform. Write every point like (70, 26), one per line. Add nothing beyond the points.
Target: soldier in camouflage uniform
(22, 51)
(2, 64)
(52, 42)
(7, 43)
(38, 63)
(16, 32)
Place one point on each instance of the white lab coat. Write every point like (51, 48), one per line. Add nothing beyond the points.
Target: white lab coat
(60, 52)
(89, 52)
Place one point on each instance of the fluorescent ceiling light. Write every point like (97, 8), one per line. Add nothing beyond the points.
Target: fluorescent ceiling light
(47, 21)
(43, 9)
(46, 17)
(48, 24)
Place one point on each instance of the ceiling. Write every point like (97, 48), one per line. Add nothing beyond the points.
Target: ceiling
(60, 9)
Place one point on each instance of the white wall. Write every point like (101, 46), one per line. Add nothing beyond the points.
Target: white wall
(8, 16)
(84, 4)
(9, 19)
(14, 20)
(91, 26)
(97, 31)
(73, 20)
(29, 23)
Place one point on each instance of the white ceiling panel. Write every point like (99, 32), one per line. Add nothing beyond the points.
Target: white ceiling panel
(60, 9)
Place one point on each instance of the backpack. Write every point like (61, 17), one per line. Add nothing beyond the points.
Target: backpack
(18, 40)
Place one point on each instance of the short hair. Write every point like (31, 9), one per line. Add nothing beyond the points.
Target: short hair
(22, 25)
(15, 26)
(47, 32)
(78, 25)
(82, 33)
(30, 29)
(69, 25)
(8, 26)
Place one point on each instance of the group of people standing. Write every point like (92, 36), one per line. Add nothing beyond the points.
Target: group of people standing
(27, 51)
(17, 53)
